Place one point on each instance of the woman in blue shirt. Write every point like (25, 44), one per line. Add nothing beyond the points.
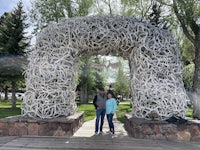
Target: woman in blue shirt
(111, 107)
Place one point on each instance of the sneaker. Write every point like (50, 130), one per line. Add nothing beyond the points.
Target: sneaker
(96, 133)
(101, 132)
(109, 132)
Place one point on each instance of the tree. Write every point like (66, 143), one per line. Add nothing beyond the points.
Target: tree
(106, 7)
(188, 12)
(12, 32)
(43, 12)
(188, 51)
(4, 84)
(98, 74)
(140, 8)
(155, 16)
(86, 79)
(121, 85)
(149, 10)
(13, 40)
(188, 76)
(83, 7)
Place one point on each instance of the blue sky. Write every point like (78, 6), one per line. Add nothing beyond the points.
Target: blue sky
(8, 5)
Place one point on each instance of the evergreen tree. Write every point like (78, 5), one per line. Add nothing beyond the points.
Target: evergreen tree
(12, 32)
(98, 74)
(86, 79)
(13, 41)
(121, 85)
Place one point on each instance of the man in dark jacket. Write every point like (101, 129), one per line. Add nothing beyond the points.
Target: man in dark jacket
(100, 105)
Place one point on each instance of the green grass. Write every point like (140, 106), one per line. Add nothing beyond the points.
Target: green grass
(89, 111)
(189, 112)
(6, 112)
(9, 104)
(126, 100)
(122, 110)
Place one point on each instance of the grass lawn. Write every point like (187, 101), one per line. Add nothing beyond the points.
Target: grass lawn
(89, 111)
(122, 109)
(9, 104)
(6, 112)
(126, 101)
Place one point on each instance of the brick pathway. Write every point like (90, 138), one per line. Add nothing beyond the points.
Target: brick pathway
(84, 139)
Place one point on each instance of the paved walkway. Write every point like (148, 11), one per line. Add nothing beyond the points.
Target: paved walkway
(84, 139)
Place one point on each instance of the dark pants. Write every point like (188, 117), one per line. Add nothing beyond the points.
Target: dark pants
(100, 114)
(110, 122)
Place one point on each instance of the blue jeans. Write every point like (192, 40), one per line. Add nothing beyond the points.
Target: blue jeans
(110, 122)
(100, 114)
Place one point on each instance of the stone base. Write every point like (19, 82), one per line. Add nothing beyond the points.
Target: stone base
(162, 130)
(62, 126)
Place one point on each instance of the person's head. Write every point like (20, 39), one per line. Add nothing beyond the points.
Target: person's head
(110, 95)
(101, 91)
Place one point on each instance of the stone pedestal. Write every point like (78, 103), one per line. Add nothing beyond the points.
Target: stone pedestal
(162, 130)
(62, 126)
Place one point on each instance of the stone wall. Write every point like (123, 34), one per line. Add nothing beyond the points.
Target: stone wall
(162, 130)
(62, 126)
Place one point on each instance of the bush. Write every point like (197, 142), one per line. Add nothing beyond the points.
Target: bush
(188, 76)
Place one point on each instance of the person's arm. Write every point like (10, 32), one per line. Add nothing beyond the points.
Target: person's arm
(94, 102)
(114, 106)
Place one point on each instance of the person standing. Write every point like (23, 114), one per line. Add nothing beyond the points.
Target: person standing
(100, 105)
(111, 107)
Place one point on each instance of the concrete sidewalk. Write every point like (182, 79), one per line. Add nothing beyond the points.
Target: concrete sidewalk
(84, 139)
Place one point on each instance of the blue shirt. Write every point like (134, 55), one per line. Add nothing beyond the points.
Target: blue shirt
(111, 106)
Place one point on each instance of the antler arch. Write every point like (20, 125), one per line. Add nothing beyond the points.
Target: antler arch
(154, 58)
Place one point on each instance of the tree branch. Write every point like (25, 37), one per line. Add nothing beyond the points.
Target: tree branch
(142, 11)
(151, 4)
(109, 5)
(164, 3)
(183, 24)
(189, 15)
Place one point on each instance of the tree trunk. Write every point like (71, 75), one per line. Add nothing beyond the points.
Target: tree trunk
(6, 93)
(196, 80)
(69, 8)
(14, 99)
(83, 94)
